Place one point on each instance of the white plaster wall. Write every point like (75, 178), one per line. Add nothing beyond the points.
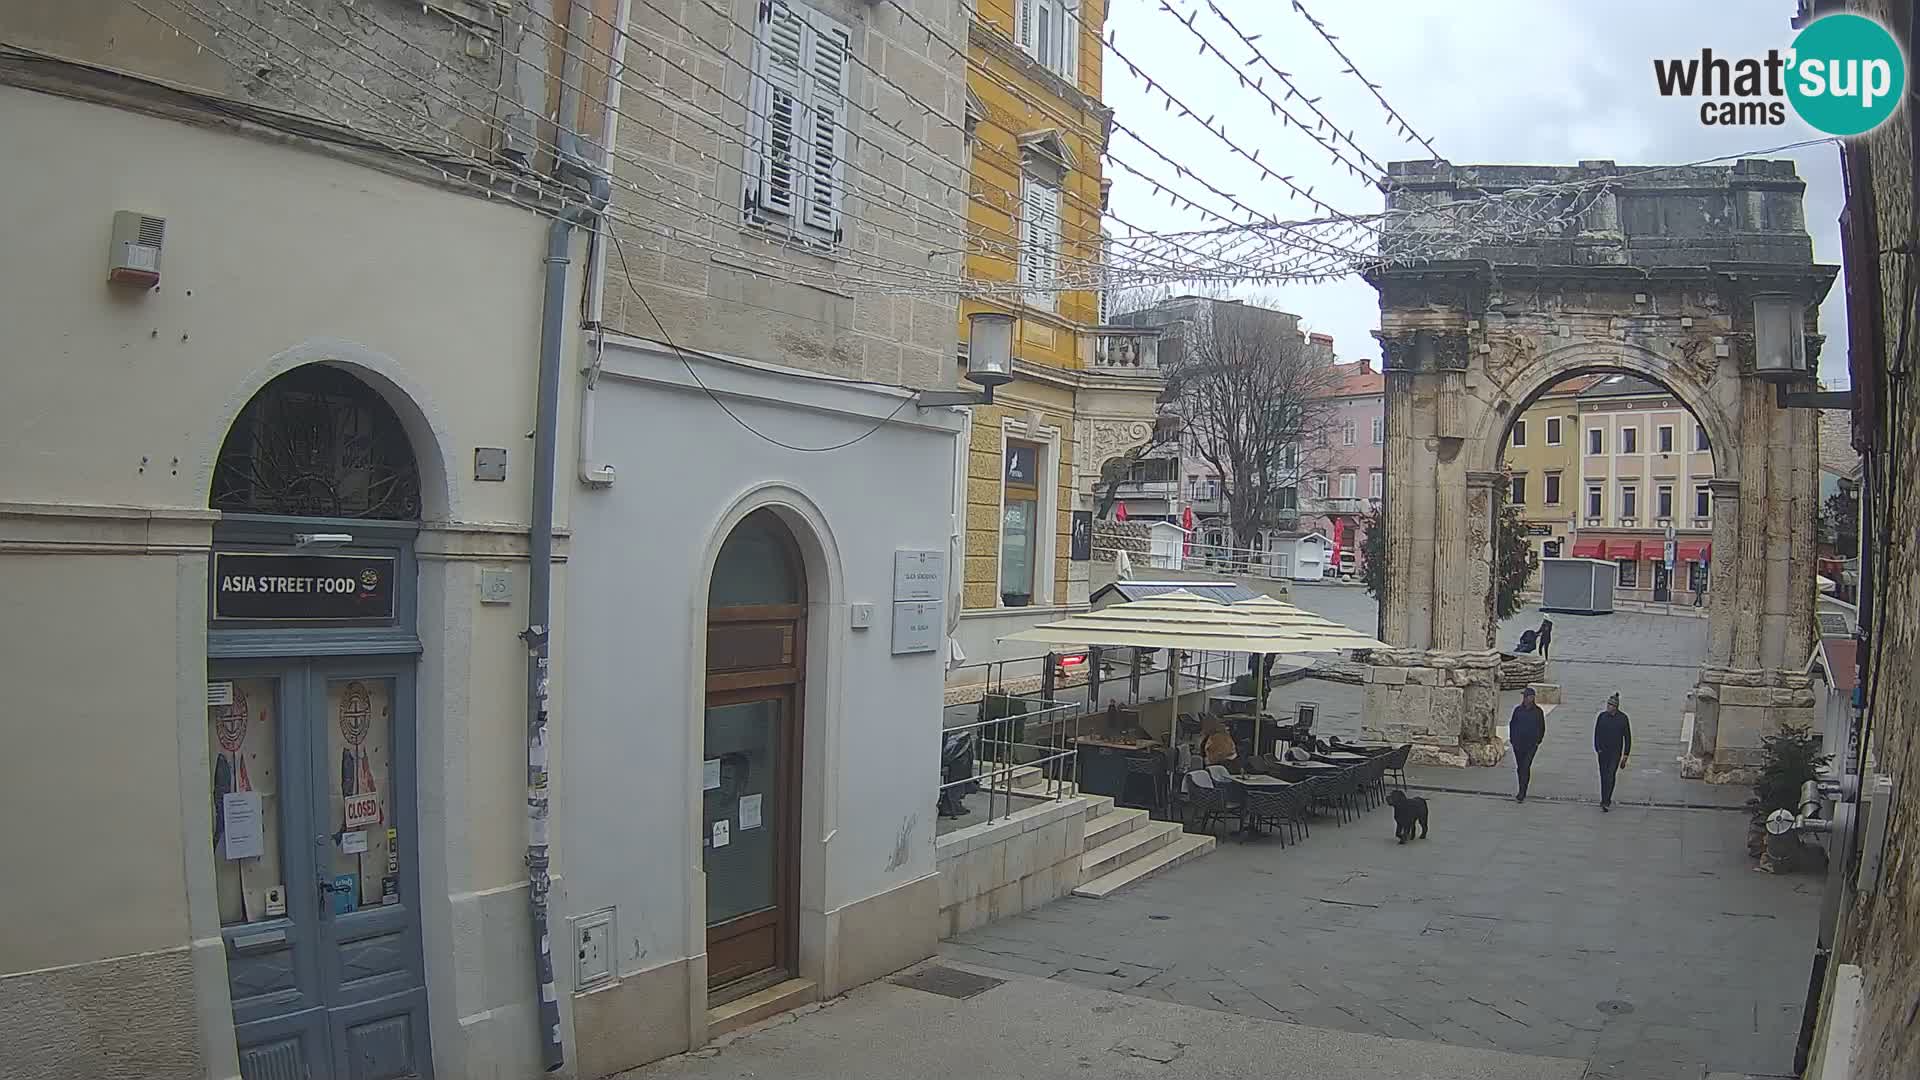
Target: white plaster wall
(634, 671)
(275, 256)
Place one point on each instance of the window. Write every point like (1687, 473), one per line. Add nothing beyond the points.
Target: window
(1596, 441)
(1629, 501)
(1696, 577)
(1553, 431)
(1519, 492)
(1049, 31)
(1702, 501)
(1629, 440)
(795, 169)
(1519, 436)
(1377, 487)
(1320, 486)
(1700, 438)
(1664, 438)
(1629, 573)
(1663, 501)
(1291, 458)
(1379, 431)
(1593, 501)
(1347, 433)
(1039, 241)
(1553, 489)
(1349, 485)
(1288, 498)
(1020, 523)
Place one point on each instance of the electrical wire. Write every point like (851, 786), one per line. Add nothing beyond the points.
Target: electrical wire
(626, 276)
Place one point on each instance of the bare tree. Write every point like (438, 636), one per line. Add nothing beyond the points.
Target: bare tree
(1251, 394)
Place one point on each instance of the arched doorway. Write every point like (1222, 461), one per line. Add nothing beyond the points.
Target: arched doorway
(312, 653)
(1645, 277)
(756, 661)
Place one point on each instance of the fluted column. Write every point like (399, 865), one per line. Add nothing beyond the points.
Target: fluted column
(1483, 555)
(1720, 565)
(1450, 555)
(1403, 487)
(1750, 547)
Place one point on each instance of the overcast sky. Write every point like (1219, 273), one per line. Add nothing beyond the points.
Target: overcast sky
(1486, 81)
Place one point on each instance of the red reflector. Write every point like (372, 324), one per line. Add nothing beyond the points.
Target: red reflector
(1072, 661)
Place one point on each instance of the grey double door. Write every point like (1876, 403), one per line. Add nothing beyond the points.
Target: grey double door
(315, 867)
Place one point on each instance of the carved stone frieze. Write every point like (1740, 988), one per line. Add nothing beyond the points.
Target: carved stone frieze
(1108, 439)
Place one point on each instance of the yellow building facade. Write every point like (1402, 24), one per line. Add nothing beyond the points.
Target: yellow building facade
(1082, 394)
(1541, 459)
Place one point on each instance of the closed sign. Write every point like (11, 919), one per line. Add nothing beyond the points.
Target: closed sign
(362, 810)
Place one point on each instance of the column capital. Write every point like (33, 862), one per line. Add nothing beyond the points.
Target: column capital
(1478, 478)
(1723, 486)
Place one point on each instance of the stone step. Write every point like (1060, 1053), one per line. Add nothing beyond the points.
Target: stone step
(1098, 806)
(1188, 846)
(756, 1007)
(1134, 844)
(1113, 825)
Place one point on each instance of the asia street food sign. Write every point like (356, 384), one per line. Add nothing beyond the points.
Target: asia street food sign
(303, 588)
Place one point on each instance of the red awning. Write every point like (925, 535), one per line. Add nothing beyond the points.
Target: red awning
(1692, 550)
(1623, 549)
(1589, 549)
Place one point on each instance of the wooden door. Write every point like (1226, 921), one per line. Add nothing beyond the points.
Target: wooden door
(756, 652)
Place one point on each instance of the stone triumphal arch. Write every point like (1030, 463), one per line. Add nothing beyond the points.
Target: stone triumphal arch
(1656, 275)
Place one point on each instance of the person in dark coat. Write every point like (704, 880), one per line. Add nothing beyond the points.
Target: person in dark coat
(1613, 741)
(1546, 639)
(1525, 730)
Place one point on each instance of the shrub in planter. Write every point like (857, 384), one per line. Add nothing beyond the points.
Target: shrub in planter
(1790, 758)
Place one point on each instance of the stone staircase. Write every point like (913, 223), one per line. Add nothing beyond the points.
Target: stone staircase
(1121, 845)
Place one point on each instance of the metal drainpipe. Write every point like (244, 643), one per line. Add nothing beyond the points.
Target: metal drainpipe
(568, 167)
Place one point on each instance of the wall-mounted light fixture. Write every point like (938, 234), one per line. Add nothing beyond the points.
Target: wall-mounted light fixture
(989, 362)
(321, 541)
(1780, 353)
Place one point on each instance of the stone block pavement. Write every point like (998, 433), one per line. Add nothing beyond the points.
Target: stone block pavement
(1639, 943)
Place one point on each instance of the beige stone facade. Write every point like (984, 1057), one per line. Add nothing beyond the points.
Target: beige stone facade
(1467, 342)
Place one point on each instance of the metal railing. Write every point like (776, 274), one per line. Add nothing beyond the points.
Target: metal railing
(1044, 733)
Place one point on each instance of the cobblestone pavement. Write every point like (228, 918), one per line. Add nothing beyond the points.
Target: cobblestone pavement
(1639, 942)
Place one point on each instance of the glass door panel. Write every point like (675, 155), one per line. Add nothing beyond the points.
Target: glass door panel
(243, 742)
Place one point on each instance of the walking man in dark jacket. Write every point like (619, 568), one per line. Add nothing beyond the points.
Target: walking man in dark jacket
(1525, 730)
(1546, 639)
(1613, 741)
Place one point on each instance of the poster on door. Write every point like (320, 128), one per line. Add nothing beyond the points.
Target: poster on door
(359, 721)
(242, 745)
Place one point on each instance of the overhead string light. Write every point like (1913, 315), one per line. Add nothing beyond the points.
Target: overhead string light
(1406, 128)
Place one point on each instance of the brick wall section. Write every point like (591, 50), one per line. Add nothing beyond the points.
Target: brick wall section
(687, 138)
(1882, 932)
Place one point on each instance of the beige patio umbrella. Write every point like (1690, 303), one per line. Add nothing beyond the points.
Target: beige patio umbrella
(1180, 620)
(1329, 636)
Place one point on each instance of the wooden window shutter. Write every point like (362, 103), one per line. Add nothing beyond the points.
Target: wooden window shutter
(779, 89)
(829, 47)
(1023, 33)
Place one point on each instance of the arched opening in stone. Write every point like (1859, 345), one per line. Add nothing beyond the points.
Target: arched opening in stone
(1603, 467)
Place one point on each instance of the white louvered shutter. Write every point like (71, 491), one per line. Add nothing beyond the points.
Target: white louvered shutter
(1040, 242)
(1023, 33)
(1070, 40)
(829, 47)
(779, 103)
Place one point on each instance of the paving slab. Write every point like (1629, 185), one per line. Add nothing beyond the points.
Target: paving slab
(1040, 1029)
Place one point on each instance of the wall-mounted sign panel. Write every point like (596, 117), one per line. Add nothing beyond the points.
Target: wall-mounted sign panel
(303, 588)
(919, 575)
(917, 627)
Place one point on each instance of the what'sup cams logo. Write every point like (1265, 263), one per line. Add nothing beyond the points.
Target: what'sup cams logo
(1844, 75)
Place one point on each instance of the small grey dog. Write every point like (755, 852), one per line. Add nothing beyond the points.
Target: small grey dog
(1407, 813)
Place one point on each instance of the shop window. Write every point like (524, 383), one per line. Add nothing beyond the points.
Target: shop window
(1020, 523)
(243, 742)
(1629, 573)
(1696, 577)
